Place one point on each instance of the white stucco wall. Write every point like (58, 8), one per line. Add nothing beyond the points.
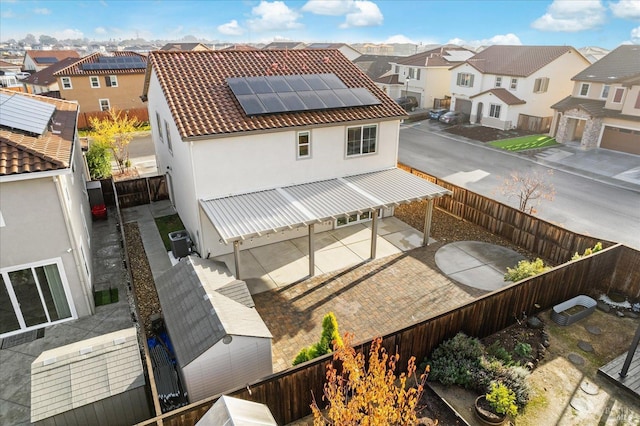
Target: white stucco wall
(227, 366)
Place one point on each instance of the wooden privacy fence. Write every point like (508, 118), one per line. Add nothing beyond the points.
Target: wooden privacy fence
(288, 394)
(549, 241)
(135, 192)
(142, 114)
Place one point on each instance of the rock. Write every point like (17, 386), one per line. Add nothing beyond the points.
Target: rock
(593, 329)
(633, 315)
(534, 322)
(575, 359)
(620, 314)
(603, 306)
(585, 346)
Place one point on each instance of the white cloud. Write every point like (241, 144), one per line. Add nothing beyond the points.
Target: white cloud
(42, 11)
(635, 35)
(7, 14)
(367, 14)
(399, 38)
(68, 33)
(231, 28)
(503, 39)
(328, 7)
(571, 16)
(273, 16)
(100, 30)
(626, 9)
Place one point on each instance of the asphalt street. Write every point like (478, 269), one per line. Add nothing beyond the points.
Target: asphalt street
(584, 204)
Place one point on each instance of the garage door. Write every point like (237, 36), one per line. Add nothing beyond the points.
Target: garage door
(463, 105)
(618, 139)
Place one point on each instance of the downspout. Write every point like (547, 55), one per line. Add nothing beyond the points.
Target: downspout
(195, 190)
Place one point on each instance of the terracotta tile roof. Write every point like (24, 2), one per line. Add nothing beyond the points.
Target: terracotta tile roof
(46, 77)
(504, 95)
(58, 54)
(23, 153)
(617, 66)
(201, 102)
(517, 61)
(76, 68)
(433, 57)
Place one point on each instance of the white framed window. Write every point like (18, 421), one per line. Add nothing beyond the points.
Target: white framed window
(464, 79)
(541, 85)
(303, 148)
(412, 73)
(159, 126)
(104, 104)
(95, 82)
(362, 140)
(111, 80)
(168, 135)
(617, 96)
(605, 91)
(494, 111)
(34, 295)
(66, 82)
(514, 84)
(498, 81)
(356, 218)
(584, 89)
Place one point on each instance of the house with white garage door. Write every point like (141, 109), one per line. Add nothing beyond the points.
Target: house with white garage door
(509, 87)
(268, 145)
(604, 108)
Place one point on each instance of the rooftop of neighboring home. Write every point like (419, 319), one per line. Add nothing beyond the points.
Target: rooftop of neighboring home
(49, 57)
(618, 66)
(46, 76)
(36, 133)
(124, 62)
(211, 108)
(277, 45)
(516, 61)
(184, 46)
(443, 56)
(375, 65)
(239, 47)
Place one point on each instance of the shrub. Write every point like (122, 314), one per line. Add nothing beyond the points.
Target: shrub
(99, 161)
(525, 269)
(502, 399)
(500, 353)
(456, 361)
(329, 339)
(588, 251)
(523, 349)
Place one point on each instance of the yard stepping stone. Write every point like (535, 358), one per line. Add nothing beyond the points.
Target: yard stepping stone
(585, 346)
(589, 388)
(593, 329)
(603, 306)
(580, 404)
(575, 359)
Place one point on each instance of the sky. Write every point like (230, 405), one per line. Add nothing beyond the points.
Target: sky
(578, 23)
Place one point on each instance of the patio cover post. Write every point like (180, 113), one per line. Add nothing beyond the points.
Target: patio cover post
(630, 354)
(427, 222)
(236, 257)
(312, 250)
(374, 233)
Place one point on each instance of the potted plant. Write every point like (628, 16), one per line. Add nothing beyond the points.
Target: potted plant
(494, 407)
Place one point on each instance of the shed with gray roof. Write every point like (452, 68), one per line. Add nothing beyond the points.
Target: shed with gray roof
(235, 412)
(98, 381)
(219, 339)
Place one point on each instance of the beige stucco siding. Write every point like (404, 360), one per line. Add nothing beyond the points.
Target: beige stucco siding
(125, 96)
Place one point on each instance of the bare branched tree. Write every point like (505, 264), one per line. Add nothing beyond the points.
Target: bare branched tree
(529, 189)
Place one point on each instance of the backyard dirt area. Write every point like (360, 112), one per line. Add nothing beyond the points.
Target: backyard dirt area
(486, 134)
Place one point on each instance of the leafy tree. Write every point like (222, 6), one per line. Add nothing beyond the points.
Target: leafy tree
(47, 40)
(99, 161)
(367, 392)
(30, 39)
(329, 338)
(529, 188)
(525, 269)
(115, 132)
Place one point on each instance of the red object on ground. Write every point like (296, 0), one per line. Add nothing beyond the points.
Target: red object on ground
(99, 211)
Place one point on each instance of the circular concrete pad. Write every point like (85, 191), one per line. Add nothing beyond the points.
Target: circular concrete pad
(589, 388)
(477, 264)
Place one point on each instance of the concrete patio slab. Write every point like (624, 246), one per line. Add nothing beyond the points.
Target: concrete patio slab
(352, 234)
(407, 239)
(383, 248)
(390, 225)
(336, 258)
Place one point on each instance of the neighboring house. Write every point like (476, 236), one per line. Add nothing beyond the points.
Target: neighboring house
(9, 67)
(375, 66)
(44, 215)
(507, 87)
(593, 53)
(9, 80)
(425, 75)
(100, 82)
(185, 46)
(235, 411)
(219, 339)
(348, 51)
(375, 49)
(45, 81)
(603, 109)
(37, 60)
(97, 381)
(303, 139)
(239, 47)
(287, 45)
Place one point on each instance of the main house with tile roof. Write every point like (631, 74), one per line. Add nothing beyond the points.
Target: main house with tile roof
(514, 86)
(99, 82)
(269, 145)
(603, 110)
(37, 60)
(44, 215)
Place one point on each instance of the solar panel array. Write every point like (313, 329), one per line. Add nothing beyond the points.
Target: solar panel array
(115, 63)
(26, 114)
(294, 93)
(46, 60)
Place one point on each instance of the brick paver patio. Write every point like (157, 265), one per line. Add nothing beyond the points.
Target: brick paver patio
(370, 299)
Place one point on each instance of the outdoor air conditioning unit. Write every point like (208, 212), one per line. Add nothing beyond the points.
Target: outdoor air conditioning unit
(180, 243)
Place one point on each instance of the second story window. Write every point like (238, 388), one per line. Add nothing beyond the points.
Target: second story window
(397, 69)
(605, 91)
(494, 111)
(159, 127)
(514, 84)
(111, 81)
(584, 89)
(104, 105)
(304, 144)
(362, 140)
(541, 85)
(464, 79)
(66, 83)
(617, 96)
(95, 82)
(168, 135)
(498, 81)
(412, 73)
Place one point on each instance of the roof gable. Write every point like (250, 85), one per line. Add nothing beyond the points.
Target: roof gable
(517, 61)
(202, 104)
(617, 66)
(57, 54)
(504, 95)
(76, 68)
(441, 56)
(46, 76)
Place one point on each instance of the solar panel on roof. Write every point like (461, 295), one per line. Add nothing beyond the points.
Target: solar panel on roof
(292, 101)
(279, 84)
(365, 96)
(332, 81)
(26, 114)
(239, 86)
(330, 99)
(251, 104)
(259, 85)
(312, 100)
(272, 102)
(297, 83)
(347, 97)
(46, 60)
(315, 82)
